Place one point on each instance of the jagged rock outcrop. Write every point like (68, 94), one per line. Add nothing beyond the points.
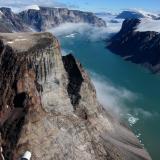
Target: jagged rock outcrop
(44, 19)
(47, 18)
(139, 47)
(48, 106)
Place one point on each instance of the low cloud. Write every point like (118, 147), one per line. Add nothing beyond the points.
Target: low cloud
(91, 32)
(116, 99)
(112, 97)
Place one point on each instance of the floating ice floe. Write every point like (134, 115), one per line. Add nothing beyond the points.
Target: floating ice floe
(132, 120)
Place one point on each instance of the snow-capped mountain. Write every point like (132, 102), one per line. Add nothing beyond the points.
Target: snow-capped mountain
(136, 14)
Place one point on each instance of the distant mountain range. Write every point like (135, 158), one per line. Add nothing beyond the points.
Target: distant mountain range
(43, 18)
(129, 14)
(135, 14)
(138, 40)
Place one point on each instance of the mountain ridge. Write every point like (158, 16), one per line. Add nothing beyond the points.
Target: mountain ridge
(44, 19)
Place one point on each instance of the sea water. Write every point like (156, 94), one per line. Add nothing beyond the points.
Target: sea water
(129, 90)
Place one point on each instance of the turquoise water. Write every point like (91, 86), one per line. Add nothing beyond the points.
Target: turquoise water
(143, 109)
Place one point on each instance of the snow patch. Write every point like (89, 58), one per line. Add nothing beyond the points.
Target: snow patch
(71, 35)
(137, 13)
(34, 7)
(146, 13)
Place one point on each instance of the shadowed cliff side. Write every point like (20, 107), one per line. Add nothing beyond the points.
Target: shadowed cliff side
(49, 106)
(138, 47)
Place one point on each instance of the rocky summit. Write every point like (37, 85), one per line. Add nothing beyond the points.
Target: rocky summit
(48, 106)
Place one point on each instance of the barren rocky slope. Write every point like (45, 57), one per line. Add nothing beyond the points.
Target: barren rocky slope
(48, 106)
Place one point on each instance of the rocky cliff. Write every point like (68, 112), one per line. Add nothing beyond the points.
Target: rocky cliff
(43, 19)
(47, 18)
(48, 106)
(139, 47)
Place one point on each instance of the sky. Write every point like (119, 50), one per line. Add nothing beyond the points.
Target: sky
(89, 5)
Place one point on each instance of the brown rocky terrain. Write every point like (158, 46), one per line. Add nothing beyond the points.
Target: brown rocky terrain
(48, 106)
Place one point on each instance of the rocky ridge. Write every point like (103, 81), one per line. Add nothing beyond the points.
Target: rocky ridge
(48, 106)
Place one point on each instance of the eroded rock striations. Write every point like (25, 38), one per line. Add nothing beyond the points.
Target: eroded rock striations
(47, 18)
(10, 22)
(48, 106)
(139, 47)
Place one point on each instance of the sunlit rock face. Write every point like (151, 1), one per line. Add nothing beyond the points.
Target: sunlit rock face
(49, 107)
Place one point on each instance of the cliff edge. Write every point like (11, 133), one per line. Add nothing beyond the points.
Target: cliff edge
(48, 106)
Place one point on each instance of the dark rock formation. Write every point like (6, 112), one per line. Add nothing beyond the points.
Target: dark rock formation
(139, 47)
(49, 106)
(47, 18)
(75, 79)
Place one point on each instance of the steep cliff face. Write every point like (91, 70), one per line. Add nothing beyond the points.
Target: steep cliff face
(139, 47)
(43, 19)
(47, 18)
(48, 106)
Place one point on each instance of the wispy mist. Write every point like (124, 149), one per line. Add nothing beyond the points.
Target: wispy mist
(91, 32)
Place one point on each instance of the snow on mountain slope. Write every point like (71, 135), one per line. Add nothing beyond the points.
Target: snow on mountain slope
(34, 7)
(136, 13)
(149, 25)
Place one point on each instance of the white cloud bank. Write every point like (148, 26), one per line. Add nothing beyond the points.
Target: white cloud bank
(116, 99)
(91, 32)
(112, 97)
(149, 25)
